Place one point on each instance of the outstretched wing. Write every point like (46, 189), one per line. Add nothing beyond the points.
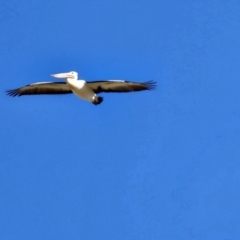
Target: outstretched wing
(41, 88)
(120, 86)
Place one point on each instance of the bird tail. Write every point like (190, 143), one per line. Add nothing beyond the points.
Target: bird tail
(97, 100)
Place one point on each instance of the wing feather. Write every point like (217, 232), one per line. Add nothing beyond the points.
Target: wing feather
(120, 86)
(41, 88)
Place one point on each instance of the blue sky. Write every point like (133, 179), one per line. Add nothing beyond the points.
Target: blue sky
(152, 165)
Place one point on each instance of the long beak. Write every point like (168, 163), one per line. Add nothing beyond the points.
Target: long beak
(61, 75)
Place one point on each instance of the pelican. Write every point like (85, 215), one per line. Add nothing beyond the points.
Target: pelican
(85, 90)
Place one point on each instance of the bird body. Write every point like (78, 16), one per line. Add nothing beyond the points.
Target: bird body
(84, 90)
(80, 89)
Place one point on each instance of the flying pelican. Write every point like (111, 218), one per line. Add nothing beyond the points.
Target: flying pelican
(85, 90)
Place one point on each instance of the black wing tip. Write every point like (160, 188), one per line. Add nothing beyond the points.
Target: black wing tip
(151, 85)
(13, 92)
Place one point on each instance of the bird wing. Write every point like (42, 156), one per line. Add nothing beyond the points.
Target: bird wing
(120, 86)
(41, 88)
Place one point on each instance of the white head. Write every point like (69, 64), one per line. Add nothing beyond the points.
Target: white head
(72, 75)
